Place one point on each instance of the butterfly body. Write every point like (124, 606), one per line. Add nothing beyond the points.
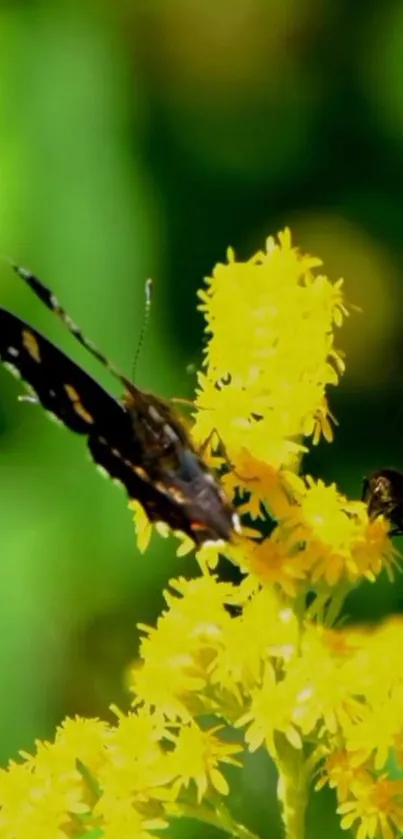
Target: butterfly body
(138, 440)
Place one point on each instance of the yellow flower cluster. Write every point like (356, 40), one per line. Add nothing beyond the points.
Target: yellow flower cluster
(271, 353)
(321, 701)
(270, 357)
(118, 782)
(230, 669)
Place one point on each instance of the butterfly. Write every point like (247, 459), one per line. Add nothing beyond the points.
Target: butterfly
(138, 440)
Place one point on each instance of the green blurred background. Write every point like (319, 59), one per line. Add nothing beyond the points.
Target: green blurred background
(140, 139)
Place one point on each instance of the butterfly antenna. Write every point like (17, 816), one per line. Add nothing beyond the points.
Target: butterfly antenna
(148, 290)
(51, 302)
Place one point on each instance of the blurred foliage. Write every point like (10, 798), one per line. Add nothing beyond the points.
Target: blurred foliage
(140, 139)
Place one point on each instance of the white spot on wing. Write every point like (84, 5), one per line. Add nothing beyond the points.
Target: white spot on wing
(236, 523)
(28, 397)
(170, 433)
(54, 418)
(102, 471)
(11, 369)
(154, 414)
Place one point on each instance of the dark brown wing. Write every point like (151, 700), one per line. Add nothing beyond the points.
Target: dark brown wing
(158, 505)
(74, 397)
(61, 386)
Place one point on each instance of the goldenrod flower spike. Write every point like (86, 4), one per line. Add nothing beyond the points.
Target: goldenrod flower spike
(264, 662)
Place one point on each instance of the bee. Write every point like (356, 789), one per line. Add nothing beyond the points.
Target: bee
(383, 494)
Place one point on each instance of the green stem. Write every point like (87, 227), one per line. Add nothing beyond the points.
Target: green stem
(336, 603)
(293, 787)
(218, 817)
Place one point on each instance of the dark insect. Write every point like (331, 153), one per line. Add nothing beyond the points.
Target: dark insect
(138, 441)
(383, 494)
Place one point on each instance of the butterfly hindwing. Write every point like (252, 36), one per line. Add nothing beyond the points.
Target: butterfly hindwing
(158, 505)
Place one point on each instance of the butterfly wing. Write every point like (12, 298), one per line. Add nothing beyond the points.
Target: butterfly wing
(75, 398)
(61, 386)
(159, 506)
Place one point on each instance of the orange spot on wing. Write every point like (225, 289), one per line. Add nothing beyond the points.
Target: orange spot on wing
(31, 345)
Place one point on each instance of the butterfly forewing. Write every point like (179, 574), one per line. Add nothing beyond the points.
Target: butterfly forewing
(61, 385)
(137, 441)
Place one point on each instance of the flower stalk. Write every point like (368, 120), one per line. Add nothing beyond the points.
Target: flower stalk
(292, 787)
(218, 816)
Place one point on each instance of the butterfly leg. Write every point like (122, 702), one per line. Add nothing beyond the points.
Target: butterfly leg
(215, 433)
